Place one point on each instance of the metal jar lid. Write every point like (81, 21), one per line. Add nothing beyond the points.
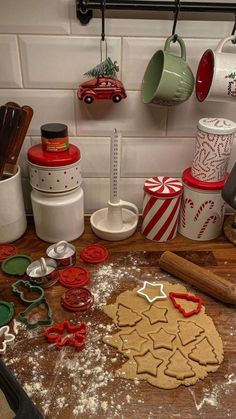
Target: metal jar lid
(60, 250)
(41, 267)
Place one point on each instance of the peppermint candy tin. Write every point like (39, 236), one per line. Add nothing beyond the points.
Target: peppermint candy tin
(161, 204)
(63, 252)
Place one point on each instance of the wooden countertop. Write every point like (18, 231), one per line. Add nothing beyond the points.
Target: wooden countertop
(67, 384)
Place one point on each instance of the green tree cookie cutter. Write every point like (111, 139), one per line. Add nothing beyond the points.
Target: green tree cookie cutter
(31, 288)
(23, 315)
(6, 312)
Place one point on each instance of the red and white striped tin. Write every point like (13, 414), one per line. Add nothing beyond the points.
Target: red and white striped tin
(202, 208)
(161, 205)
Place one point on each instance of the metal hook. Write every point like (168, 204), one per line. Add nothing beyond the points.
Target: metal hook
(234, 29)
(176, 13)
(103, 6)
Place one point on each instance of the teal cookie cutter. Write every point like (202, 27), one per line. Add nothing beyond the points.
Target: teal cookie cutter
(16, 288)
(23, 315)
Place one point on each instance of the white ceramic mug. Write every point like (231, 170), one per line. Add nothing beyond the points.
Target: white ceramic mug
(216, 74)
(12, 211)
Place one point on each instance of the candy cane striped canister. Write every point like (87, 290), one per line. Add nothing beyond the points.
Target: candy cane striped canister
(161, 205)
(202, 208)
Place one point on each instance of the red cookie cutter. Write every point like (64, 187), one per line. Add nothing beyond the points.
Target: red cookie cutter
(7, 250)
(77, 334)
(94, 253)
(74, 277)
(187, 297)
(77, 299)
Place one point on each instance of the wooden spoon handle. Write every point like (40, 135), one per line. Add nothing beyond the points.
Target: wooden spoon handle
(199, 277)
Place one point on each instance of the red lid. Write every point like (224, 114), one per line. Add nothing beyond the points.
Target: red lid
(189, 180)
(7, 250)
(94, 253)
(163, 186)
(74, 277)
(40, 157)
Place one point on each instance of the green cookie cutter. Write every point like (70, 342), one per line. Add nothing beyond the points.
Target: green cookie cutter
(6, 312)
(23, 315)
(16, 265)
(32, 288)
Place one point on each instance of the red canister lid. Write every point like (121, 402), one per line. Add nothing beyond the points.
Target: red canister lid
(163, 186)
(189, 180)
(37, 155)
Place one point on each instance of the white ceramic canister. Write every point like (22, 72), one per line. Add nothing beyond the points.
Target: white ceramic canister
(202, 208)
(212, 149)
(58, 216)
(161, 205)
(57, 197)
(12, 211)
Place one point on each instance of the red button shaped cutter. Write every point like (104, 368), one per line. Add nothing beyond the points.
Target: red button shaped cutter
(94, 253)
(77, 338)
(7, 250)
(77, 299)
(188, 297)
(74, 277)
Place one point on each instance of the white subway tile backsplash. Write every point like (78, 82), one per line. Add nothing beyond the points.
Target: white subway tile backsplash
(48, 106)
(46, 52)
(154, 27)
(56, 61)
(147, 157)
(183, 119)
(10, 73)
(95, 156)
(130, 116)
(33, 16)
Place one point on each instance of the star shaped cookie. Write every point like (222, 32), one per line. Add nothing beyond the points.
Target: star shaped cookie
(147, 363)
(132, 340)
(156, 314)
(162, 339)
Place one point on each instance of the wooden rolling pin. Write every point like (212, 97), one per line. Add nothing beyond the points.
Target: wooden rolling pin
(199, 277)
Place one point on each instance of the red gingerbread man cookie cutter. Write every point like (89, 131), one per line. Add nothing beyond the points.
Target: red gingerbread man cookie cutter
(188, 297)
(76, 335)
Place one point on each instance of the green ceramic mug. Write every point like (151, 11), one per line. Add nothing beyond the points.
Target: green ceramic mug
(168, 80)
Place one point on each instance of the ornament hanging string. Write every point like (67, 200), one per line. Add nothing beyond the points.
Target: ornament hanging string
(103, 41)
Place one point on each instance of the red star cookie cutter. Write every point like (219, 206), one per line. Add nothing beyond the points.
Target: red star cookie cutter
(188, 297)
(76, 335)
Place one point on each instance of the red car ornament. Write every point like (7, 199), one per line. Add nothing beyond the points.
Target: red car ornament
(101, 88)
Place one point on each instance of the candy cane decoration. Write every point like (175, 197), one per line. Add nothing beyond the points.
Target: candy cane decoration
(213, 218)
(210, 204)
(183, 215)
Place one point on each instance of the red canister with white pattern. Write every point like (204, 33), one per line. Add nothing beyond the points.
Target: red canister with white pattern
(202, 208)
(161, 205)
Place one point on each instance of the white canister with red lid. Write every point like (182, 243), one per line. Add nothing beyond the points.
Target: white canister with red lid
(161, 205)
(57, 197)
(202, 208)
(212, 149)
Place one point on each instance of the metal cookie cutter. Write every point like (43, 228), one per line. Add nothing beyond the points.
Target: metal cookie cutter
(17, 289)
(8, 338)
(77, 334)
(43, 272)
(23, 316)
(160, 296)
(63, 252)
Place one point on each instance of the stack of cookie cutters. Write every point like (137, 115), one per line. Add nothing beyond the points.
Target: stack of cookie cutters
(63, 253)
(43, 272)
(21, 287)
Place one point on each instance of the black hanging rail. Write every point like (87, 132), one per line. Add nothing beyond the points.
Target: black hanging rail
(84, 7)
